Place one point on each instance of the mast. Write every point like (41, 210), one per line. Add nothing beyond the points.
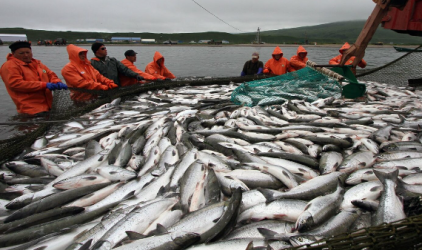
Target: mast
(258, 37)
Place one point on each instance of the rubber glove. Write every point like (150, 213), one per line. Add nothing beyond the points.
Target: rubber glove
(51, 86)
(139, 78)
(259, 71)
(242, 73)
(103, 87)
(266, 71)
(61, 85)
(112, 85)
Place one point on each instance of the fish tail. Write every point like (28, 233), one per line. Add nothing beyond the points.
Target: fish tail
(383, 175)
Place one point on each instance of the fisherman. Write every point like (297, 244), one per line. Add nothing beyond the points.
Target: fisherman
(336, 60)
(277, 65)
(110, 67)
(79, 73)
(299, 60)
(253, 66)
(157, 68)
(28, 81)
(129, 62)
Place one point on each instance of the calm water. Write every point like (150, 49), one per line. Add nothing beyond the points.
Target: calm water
(186, 61)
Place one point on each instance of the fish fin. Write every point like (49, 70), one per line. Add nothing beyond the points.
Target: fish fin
(362, 164)
(267, 233)
(128, 196)
(90, 178)
(383, 176)
(86, 246)
(160, 229)
(267, 194)
(162, 191)
(135, 235)
(250, 246)
(41, 248)
(376, 188)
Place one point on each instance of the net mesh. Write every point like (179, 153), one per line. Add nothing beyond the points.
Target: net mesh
(396, 72)
(306, 84)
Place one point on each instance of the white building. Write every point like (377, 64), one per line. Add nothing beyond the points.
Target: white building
(147, 40)
(204, 41)
(13, 37)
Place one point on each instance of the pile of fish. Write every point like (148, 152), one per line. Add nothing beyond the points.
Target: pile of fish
(184, 168)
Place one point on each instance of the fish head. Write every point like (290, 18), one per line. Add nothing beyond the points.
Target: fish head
(302, 240)
(304, 222)
(184, 239)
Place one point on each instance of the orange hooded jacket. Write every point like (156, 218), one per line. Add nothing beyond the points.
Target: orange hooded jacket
(161, 72)
(126, 81)
(26, 84)
(296, 62)
(280, 67)
(336, 60)
(81, 74)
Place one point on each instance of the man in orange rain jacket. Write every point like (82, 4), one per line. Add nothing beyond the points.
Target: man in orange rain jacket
(157, 68)
(336, 60)
(278, 65)
(299, 60)
(128, 62)
(79, 73)
(28, 81)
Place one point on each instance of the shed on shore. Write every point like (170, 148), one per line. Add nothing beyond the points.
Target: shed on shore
(13, 37)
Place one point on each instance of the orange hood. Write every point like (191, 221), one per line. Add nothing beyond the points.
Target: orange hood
(301, 49)
(73, 52)
(345, 47)
(277, 51)
(157, 56)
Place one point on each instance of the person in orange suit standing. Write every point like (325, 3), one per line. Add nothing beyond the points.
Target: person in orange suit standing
(28, 81)
(277, 65)
(299, 60)
(79, 73)
(157, 68)
(129, 62)
(336, 60)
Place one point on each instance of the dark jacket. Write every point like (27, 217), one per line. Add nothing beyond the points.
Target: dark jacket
(251, 68)
(111, 68)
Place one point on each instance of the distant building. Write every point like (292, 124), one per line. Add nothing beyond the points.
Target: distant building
(225, 42)
(192, 41)
(92, 40)
(204, 41)
(148, 41)
(126, 39)
(13, 37)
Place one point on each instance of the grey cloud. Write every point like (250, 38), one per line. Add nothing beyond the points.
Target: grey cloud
(174, 16)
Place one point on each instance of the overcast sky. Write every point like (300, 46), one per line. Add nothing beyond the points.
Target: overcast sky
(177, 16)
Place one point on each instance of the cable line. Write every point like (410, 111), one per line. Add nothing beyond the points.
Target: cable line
(217, 16)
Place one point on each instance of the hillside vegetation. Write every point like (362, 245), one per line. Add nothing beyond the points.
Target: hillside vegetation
(338, 32)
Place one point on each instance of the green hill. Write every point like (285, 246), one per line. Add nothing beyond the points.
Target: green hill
(337, 32)
(340, 32)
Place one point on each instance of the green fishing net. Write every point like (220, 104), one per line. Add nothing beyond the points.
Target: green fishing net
(305, 84)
